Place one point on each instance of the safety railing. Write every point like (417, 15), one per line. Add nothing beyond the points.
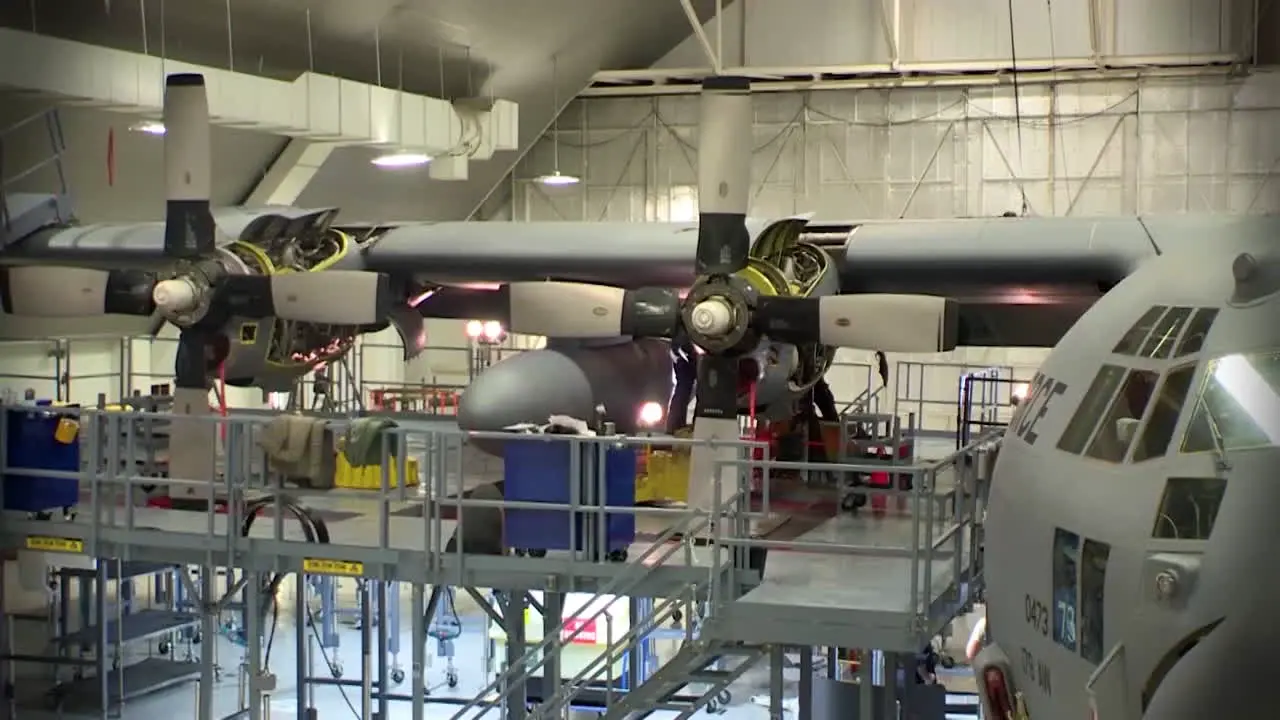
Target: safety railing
(942, 509)
(928, 390)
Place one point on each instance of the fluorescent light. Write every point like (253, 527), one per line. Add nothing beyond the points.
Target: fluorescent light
(401, 159)
(557, 178)
(150, 127)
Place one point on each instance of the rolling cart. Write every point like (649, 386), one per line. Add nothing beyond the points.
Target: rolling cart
(537, 471)
(38, 437)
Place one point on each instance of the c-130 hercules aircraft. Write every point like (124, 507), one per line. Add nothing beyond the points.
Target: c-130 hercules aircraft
(1128, 534)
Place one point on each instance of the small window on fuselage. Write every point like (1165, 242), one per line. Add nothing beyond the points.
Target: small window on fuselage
(1137, 335)
(1096, 401)
(1189, 508)
(1164, 338)
(1163, 419)
(1197, 331)
(1118, 428)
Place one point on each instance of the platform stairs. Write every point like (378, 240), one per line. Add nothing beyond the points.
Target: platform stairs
(688, 666)
(23, 213)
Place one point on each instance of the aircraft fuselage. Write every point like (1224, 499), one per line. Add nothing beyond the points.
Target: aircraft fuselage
(1127, 550)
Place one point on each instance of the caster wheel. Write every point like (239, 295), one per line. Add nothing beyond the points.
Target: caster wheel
(41, 516)
(713, 708)
(617, 556)
(518, 552)
(196, 638)
(724, 697)
(537, 553)
(336, 671)
(451, 680)
(947, 662)
(677, 617)
(397, 675)
(163, 648)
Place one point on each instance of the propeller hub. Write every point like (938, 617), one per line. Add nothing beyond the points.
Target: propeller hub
(712, 317)
(178, 296)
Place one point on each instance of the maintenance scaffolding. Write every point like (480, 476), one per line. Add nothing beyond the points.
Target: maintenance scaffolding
(889, 584)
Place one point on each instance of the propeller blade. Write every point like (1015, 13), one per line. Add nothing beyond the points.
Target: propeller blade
(189, 230)
(889, 323)
(329, 297)
(584, 310)
(714, 435)
(724, 175)
(45, 291)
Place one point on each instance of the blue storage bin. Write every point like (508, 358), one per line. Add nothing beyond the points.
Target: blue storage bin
(30, 443)
(538, 471)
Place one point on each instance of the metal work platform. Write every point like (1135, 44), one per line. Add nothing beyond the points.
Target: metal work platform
(888, 578)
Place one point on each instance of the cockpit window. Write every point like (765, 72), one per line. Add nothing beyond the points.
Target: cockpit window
(1164, 338)
(1096, 401)
(1197, 330)
(1163, 419)
(1118, 428)
(1238, 406)
(1189, 508)
(1132, 340)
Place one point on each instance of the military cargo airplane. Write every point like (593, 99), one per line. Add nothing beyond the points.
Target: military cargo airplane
(1111, 586)
(1130, 526)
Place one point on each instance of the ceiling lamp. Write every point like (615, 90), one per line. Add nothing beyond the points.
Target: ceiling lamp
(556, 178)
(150, 127)
(401, 160)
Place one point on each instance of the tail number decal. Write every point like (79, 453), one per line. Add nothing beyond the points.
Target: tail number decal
(1037, 615)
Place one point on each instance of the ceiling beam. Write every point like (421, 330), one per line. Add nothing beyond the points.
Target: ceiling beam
(686, 81)
(715, 54)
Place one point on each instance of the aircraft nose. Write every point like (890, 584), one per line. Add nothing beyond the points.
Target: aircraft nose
(525, 388)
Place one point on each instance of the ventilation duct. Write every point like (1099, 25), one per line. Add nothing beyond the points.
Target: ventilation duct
(316, 107)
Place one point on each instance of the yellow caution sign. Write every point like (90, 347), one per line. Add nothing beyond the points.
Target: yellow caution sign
(248, 334)
(54, 544)
(319, 566)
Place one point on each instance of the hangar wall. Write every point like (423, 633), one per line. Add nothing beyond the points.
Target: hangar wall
(808, 33)
(1099, 148)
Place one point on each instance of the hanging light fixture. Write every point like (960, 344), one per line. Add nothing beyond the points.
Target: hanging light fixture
(556, 178)
(401, 159)
(149, 127)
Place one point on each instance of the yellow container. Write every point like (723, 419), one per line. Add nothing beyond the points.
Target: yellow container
(369, 477)
(66, 431)
(665, 477)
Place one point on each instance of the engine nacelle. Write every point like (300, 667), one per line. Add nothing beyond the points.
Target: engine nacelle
(573, 381)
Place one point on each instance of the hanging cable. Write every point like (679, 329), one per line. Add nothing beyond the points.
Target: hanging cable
(314, 530)
(1017, 108)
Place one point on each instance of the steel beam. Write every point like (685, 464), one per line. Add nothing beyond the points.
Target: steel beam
(713, 57)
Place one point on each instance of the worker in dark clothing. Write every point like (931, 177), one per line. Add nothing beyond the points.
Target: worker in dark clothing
(684, 368)
(882, 367)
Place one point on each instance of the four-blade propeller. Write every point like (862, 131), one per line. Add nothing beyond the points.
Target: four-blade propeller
(721, 313)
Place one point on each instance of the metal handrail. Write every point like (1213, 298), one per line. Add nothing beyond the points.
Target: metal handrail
(524, 665)
(613, 652)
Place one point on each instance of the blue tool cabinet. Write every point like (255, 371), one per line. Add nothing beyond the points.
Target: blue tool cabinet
(537, 471)
(30, 444)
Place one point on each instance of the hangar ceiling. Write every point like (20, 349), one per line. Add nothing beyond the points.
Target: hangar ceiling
(444, 48)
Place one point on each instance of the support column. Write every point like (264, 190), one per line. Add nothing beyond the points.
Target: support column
(290, 173)
(515, 699)
(804, 708)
